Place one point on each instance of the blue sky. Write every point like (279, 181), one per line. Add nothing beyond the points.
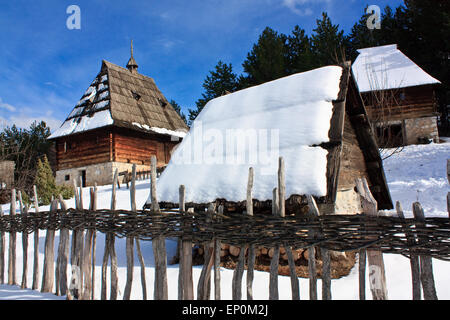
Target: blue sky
(45, 67)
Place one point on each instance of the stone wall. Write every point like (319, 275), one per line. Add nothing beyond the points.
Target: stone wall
(102, 173)
(414, 129)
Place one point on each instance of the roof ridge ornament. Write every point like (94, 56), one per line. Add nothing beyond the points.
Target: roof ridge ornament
(132, 65)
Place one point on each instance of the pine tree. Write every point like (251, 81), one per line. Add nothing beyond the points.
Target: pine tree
(299, 51)
(328, 42)
(177, 108)
(268, 59)
(46, 184)
(219, 81)
(45, 181)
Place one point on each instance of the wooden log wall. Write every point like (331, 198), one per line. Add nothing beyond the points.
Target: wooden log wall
(413, 102)
(83, 149)
(133, 147)
(112, 144)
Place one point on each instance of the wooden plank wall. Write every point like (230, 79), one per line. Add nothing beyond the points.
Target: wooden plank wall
(418, 102)
(83, 149)
(135, 147)
(112, 144)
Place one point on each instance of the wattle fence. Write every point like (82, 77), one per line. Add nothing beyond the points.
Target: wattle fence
(420, 239)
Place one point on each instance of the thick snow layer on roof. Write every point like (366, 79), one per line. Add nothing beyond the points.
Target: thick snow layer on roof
(177, 134)
(85, 123)
(253, 128)
(386, 67)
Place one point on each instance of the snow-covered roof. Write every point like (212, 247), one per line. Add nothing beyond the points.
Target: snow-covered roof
(122, 98)
(386, 67)
(288, 117)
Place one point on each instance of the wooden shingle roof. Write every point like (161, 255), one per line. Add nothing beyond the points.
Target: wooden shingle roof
(133, 101)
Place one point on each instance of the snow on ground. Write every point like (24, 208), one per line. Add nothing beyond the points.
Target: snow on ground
(416, 168)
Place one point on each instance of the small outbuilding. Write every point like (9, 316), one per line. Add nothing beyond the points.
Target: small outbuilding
(315, 120)
(399, 96)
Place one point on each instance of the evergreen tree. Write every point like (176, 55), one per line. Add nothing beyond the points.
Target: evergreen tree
(24, 146)
(45, 181)
(425, 38)
(299, 51)
(267, 60)
(219, 81)
(46, 184)
(328, 43)
(177, 108)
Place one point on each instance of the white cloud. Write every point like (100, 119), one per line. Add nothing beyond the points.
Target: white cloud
(24, 117)
(6, 106)
(297, 6)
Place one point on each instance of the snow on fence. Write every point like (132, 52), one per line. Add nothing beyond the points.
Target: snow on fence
(371, 235)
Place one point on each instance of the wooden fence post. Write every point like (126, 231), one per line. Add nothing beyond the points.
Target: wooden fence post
(239, 270)
(73, 257)
(448, 194)
(94, 242)
(86, 266)
(63, 255)
(24, 214)
(251, 248)
(325, 254)
(426, 264)
(78, 240)
(110, 250)
(312, 271)
(295, 288)
(273, 281)
(362, 273)
(49, 255)
(138, 244)
(185, 282)
(204, 282)
(414, 259)
(80, 244)
(35, 284)
(2, 252)
(377, 275)
(130, 265)
(158, 244)
(12, 244)
(182, 209)
(217, 249)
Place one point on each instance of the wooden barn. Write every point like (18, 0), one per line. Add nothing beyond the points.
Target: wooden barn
(122, 119)
(399, 96)
(321, 129)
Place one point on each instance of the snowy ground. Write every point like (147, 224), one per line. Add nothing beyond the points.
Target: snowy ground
(417, 173)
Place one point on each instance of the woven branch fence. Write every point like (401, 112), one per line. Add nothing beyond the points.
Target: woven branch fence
(370, 234)
(337, 232)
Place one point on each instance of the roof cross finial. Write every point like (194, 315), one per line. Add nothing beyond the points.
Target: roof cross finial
(132, 65)
(132, 48)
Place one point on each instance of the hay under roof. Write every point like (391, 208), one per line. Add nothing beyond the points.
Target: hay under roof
(123, 98)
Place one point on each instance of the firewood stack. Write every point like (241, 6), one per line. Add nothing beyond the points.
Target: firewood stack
(262, 254)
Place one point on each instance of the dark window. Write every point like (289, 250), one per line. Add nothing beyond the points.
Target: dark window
(67, 177)
(390, 136)
(136, 95)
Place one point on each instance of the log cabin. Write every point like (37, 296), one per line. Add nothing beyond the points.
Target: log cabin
(318, 124)
(122, 119)
(399, 96)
